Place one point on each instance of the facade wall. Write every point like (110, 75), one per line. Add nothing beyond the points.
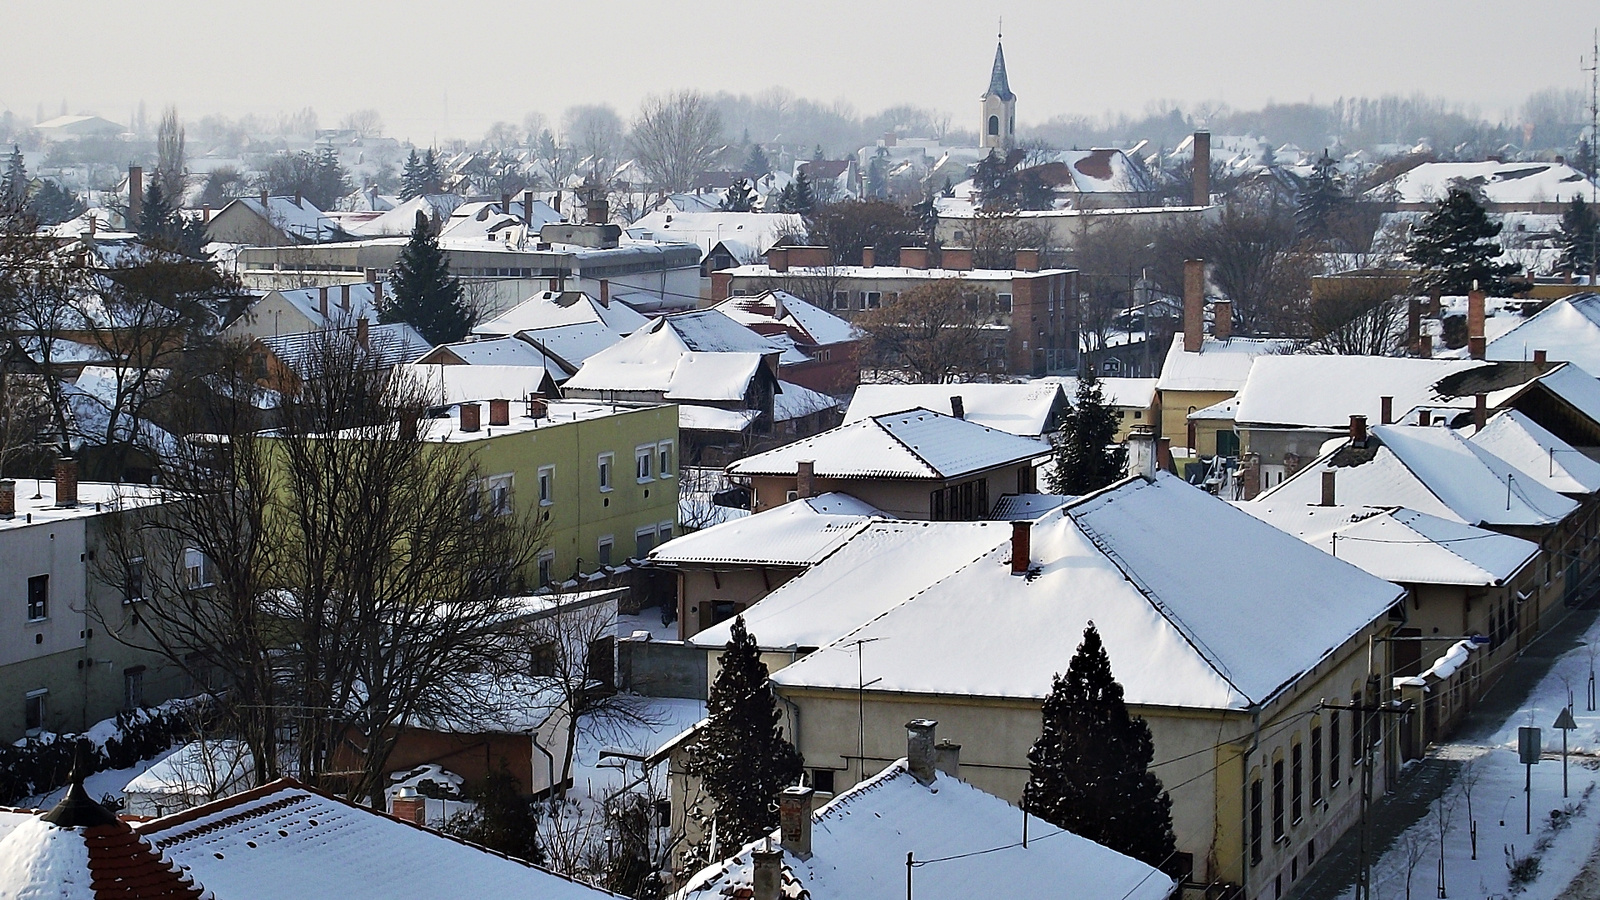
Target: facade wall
(903, 498)
(702, 588)
(1175, 407)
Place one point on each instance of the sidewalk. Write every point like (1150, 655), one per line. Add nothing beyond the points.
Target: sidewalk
(1482, 738)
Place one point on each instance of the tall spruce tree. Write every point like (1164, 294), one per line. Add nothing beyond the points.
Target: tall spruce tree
(426, 295)
(1086, 457)
(1090, 768)
(740, 197)
(797, 196)
(741, 755)
(412, 183)
(1579, 238)
(756, 162)
(53, 204)
(1455, 246)
(14, 190)
(1320, 200)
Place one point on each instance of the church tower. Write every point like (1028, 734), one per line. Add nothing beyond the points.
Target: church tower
(998, 126)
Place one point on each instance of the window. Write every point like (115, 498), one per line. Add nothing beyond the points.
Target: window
(499, 487)
(38, 598)
(663, 533)
(1255, 821)
(1333, 748)
(1316, 764)
(643, 464)
(547, 561)
(1355, 734)
(994, 126)
(871, 299)
(547, 485)
(33, 712)
(133, 581)
(196, 569)
(607, 461)
(664, 459)
(1005, 302)
(822, 781)
(133, 687)
(604, 552)
(1277, 800)
(841, 299)
(644, 540)
(542, 660)
(1296, 783)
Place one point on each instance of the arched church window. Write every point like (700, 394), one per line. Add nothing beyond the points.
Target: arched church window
(994, 125)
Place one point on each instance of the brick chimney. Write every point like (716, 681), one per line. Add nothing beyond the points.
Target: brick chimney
(265, 200)
(1386, 411)
(363, 338)
(805, 476)
(1540, 357)
(1480, 411)
(538, 407)
(605, 293)
(344, 298)
(766, 874)
(527, 208)
(921, 754)
(322, 302)
(1222, 320)
(469, 417)
(370, 274)
(66, 481)
(1424, 418)
(778, 309)
(947, 758)
(1202, 168)
(1358, 430)
(869, 257)
(914, 257)
(721, 286)
(1194, 300)
(505, 203)
(778, 259)
(956, 259)
(408, 806)
(1164, 454)
(958, 406)
(1476, 344)
(597, 211)
(499, 412)
(1249, 476)
(794, 820)
(1027, 261)
(8, 499)
(135, 195)
(1414, 324)
(1327, 487)
(377, 295)
(205, 214)
(1021, 541)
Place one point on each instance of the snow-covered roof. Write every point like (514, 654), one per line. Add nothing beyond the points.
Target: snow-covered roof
(504, 351)
(878, 567)
(196, 768)
(1574, 385)
(690, 357)
(308, 301)
(1568, 330)
(1098, 171)
(771, 311)
(1014, 507)
(1316, 391)
(572, 344)
(1223, 411)
(1430, 469)
(1030, 409)
(458, 384)
(912, 444)
(711, 331)
(1125, 393)
(1219, 366)
(860, 839)
(801, 533)
(285, 841)
(400, 220)
(706, 229)
(1150, 562)
(793, 401)
(550, 309)
(693, 417)
(1500, 182)
(712, 376)
(293, 216)
(1537, 453)
(1401, 545)
(41, 859)
(91, 399)
(394, 344)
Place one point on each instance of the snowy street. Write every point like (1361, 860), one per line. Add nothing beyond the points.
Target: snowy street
(1560, 859)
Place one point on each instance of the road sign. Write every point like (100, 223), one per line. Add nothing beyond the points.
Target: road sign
(1565, 721)
(1528, 746)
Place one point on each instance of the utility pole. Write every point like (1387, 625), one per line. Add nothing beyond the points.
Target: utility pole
(1370, 711)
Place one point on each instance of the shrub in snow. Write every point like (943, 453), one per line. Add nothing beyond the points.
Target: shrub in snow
(38, 765)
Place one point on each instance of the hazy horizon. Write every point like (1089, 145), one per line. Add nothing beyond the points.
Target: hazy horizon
(415, 63)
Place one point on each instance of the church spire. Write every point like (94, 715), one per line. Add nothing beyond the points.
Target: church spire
(999, 85)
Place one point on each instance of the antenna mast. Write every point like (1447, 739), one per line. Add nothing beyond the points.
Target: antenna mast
(1594, 151)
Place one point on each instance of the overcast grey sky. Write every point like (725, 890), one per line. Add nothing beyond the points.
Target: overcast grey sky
(451, 67)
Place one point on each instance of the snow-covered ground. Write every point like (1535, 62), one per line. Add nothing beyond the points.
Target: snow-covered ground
(1566, 831)
(648, 619)
(663, 718)
(100, 785)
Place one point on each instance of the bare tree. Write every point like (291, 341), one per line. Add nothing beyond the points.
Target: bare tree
(171, 174)
(1412, 848)
(594, 131)
(1361, 316)
(675, 136)
(40, 286)
(933, 333)
(366, 123)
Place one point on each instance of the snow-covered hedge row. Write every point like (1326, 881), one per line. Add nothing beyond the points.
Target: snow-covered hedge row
(40, 764)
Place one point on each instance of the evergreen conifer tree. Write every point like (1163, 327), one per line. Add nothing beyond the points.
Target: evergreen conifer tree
(1086, 459)
(741, 755)
(1455, 246)
(432, 173)
(425, 293)
(1320, 200)
(14, 190)
(740, 197)
(53, 204)
(797, 196)
(412, 183)
(1090, 768)
(1579, 238)
(756, 163)
(501, 818)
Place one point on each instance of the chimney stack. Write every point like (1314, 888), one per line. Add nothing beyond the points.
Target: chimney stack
(766, 874)
(914, 257)
(1027, 260)
(8, 499)
(1386, 413)
(362, 338)
(1222, 320)
(1358, 430)
(469, 417)
(205, 214)
(958, 259)
(265, 198)
(778, 309)
(605, 293)
(322, 303)
(1164, 454)
(1424, 418)
(869, 257)
(408, 425)
(794, 820)
(948, 758)
(598, 211)
(1480, 411)
(298, 199)
(958, 406)
(527, 208)
(778, 259)
(136, 196)
(1202, 168)
(408, 806)
(1250, 476)
(1021, 539)
(1327, 487)
(377, 295)
(344, 298)
(538, 407)
(1414, 324)
(1540, 357)
(66, 482)
(505, 203)
(1475, 315)
(921, 755)
(805, 475)
(1194, 289)
(499, 412)
(371, 275)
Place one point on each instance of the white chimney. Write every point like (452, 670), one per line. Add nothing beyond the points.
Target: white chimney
(794, 820)
(948, 758)
(921, 754)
